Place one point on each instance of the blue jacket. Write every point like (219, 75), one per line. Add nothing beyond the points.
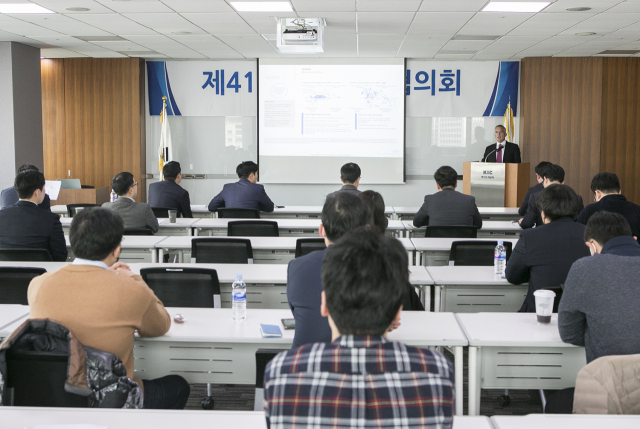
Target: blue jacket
(614, 204)
(168, 194)
(9, 197)
(25, 225)
(304, 290)
(242, 195)
(621, 246)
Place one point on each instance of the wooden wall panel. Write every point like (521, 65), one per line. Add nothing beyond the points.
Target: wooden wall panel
(103, 132)
(53, 123)
(561, 116)
(620, 150)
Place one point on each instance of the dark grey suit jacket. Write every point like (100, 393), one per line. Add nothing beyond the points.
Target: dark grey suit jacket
(135, 215)
(169, 194)
(242, 195)
(447, 208)
(350, 189)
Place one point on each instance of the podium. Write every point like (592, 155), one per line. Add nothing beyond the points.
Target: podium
(83, 196)
(496, 185)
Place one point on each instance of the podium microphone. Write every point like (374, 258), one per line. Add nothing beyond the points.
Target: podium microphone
(495, 150)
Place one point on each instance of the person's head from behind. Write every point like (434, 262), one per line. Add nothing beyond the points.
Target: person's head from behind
(25, 167)
(364, 279)
(124, 185)
(604, 226)
(540, 170)
(172, 171)
(446, 178)
(95, 234)
(350, 174)
(248, 170)
(375, 204)
(29, 185)
(500, 133)
(604, 184)
(557, 201)
(342, 213)
(552, 174)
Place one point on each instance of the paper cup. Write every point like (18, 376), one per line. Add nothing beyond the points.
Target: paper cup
(544, 304)
(173, 214)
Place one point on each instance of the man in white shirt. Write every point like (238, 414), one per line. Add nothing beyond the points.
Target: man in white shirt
(502, 151)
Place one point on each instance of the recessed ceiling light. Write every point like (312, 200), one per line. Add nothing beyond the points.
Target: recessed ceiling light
(23, 8)
(499, 6)
(586, 34)
(578, 9)
(181, 33)
(261, 6)
(78, 9)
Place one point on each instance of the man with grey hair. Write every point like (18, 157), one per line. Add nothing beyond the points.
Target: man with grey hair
(502, 150)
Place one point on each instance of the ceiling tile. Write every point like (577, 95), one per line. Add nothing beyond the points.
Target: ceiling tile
(115, 24)
(453, 57)
(494, 23)
(62, 24)
(604, 23)
(370, 45)
(439, 23)
(22, 28)
(220, 23)
(561, 6)
(467, 45)
(60, 6)
(198, 43)
(452, 5)
(59, 53)
(386, 5)
(626, 7)
(249, 45)
(136, 6)
(340, 45)
(549, 24)
(120, 46)
(220, 54)
(422, 46)
(199, 6)
(384, 22)
(165, 23)
(324, 5)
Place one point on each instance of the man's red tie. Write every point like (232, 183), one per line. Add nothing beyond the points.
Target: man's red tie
(499, 155)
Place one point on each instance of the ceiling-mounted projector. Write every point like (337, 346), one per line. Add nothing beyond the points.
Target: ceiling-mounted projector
(300, 35)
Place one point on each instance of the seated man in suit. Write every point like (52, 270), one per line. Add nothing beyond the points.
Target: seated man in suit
(103, 303)
(245, 193)
(448, 206)
(168, 193)
(543, 256)
(596, 310)
(502, 151)
(135, 215)
(9, 196)
(361, 379)
(608, 196)
(350, 178)
(552, 174)
(534, 189)
(25, 225)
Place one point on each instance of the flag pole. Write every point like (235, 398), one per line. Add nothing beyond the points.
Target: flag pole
(162, 151)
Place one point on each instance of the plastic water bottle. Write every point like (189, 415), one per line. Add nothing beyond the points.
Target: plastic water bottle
(239, 298)
(500, 259)
(113, 197)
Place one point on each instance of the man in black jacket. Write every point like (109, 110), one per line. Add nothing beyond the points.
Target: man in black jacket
(534, 189)
(608, 197)
(502, 151)
(25, 225)
(9, 196)
(544, 255)
(168, 193)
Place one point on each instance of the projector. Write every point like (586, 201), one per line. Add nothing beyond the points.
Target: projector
(300, 35)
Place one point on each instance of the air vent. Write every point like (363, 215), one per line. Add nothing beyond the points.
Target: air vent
(473, 37)
(100, 38)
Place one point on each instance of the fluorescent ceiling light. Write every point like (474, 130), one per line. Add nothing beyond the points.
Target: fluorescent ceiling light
(23, 8)
(510, 6)
(262, 6)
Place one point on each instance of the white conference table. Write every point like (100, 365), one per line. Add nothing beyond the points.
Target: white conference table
(434, 251)
(135, 248)
(565, 421)
(11, 314)
(182, 226)
(487, 213)
(305, 212)
(471, 289)
(210, 347)
(493, 229)
(514, 351)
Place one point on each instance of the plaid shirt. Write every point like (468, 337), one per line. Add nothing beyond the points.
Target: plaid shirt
(359, 381)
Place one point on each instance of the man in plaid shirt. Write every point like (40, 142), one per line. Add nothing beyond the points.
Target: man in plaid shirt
(360, 379)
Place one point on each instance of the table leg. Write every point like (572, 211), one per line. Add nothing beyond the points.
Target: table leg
(154, 256)
(474, 390)
(410, 257)
(190, 232)
(436, 299)
(160, 255)
(195, 232)
(458, 365)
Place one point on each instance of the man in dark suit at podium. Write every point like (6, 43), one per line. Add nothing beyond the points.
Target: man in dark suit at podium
(502, 151)
(168, 193)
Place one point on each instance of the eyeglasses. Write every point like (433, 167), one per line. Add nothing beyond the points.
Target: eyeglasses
(134, 184)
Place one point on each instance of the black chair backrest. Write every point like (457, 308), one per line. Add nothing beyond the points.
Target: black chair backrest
(221, 250)
(556, 301)
(14, 282)
(32, 255)
(183, 287)
(230, 213)
(304, 246)
(253, 228)
(87, 187)
(71, 208)
(162, 212)
(137, 231)
(37, 379)
(453, 231)
(263, 357)
(475, 252)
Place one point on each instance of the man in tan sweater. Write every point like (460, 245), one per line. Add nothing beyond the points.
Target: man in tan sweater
(103, 302)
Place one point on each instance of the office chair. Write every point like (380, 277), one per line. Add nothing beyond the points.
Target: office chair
(221, 250)
(452, 231)
(185, 287)
(162, 212)
(253, 228)
(475, 253)
(304, 246)
(19, 254)
(14, 282)
(263, 357)
(137, 231)
(72, 208)
(229, 213)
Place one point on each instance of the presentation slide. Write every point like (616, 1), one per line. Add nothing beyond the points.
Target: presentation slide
(315, 116)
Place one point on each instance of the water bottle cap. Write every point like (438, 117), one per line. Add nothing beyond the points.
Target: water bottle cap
(238, 276)
(500, 242)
